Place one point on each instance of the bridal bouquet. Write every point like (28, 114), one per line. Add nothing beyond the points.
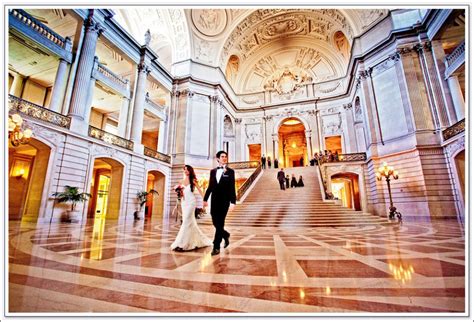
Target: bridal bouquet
(179, 190)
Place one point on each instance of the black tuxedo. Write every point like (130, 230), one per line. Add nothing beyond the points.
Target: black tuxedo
(223, 194)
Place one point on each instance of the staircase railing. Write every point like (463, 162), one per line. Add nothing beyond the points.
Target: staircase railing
(246, 185)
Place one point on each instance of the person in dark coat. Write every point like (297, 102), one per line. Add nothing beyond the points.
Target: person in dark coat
(302, 161)
(275, 163)
(223, 198)
(300, 182)
(294, 184)
(287, 180)
(281, 179)
(269, 162)
(263, 161)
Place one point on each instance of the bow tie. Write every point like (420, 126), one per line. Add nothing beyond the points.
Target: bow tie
(220, 168)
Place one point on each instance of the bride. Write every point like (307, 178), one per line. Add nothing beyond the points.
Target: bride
(189, 236)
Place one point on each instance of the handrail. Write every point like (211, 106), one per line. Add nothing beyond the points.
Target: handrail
(110, 138)
(349, 157)
(244, 164)
(244, 187)
(454, 129)
(38, 26)
(38, 112)
(157, 155)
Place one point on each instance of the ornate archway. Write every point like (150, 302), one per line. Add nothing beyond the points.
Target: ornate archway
(292, 147)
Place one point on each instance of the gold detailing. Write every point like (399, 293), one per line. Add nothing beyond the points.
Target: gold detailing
(16, 104)
(110, 138)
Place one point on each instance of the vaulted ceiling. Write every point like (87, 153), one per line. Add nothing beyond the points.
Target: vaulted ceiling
(256, 49)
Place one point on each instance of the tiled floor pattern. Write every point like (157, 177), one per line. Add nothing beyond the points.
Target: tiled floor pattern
(384, 268)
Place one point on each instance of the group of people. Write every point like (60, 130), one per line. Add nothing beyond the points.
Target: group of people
(284, 180)
(267, 162)
(221, 190)
(327, 156)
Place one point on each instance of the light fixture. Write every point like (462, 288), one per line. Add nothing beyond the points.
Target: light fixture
(386, 172)
(20, 173)
(16, 135)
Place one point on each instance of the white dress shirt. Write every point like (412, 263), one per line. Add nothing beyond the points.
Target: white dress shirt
(219, 173)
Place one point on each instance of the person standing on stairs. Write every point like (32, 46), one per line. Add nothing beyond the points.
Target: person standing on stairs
(287, 179)
(222, 188)
(294, 183)
(281, 179)
(263, 161)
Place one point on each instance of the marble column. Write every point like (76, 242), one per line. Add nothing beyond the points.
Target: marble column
(162, 137)
(320, 133)
(275, 147)
(87, 112)
(238, 140)
(122, 124)
(309, 145)
(80, 95)
(139, 107)
(456, 94)
(17, 85)
(59, 88)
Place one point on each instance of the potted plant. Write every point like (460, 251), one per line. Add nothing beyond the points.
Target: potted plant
(73, 196)
(142, 197)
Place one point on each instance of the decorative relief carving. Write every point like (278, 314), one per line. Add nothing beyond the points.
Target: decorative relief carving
(209, 22)
(180, 33)
(287, 81)
(203, 50)
(228, 127)
(45, 133)
(327, 88)
(237, 121)
(347, 106)
(456, 146)
(252, 132)
(369, 16)
(143, 68)
(332, 124)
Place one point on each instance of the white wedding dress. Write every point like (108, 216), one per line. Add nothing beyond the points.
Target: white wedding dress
(189, 236)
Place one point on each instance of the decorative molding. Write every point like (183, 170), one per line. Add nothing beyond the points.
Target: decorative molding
(454, 147)
(347, 106)
(209, 22)
(110, 138)
(454, 130)
(238, 120)
(157, 155)
(143, 68)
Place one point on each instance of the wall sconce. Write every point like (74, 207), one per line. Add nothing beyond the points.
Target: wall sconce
(16, 135)
(20, 173)
(293, 145)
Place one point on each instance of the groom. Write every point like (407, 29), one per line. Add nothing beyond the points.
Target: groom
(222, 187)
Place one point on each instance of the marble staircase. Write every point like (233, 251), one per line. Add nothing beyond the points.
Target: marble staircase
(268, 206)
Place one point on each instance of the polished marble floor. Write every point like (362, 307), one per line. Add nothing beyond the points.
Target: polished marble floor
(103, 266)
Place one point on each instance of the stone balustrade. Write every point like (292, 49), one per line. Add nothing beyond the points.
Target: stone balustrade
(112, 76)
(16, 104)
(34, 24)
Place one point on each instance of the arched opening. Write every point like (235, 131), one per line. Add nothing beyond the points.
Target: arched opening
(27, 166)
(345, 186)
(459, 161)
(293, 147)
(154, 206)
(106, 189)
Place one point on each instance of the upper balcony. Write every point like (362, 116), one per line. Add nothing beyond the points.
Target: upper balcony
(454, 130)
(26, 26)
(455, 60)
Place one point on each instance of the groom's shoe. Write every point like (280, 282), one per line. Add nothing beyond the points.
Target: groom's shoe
(215, 251)
(226, 242)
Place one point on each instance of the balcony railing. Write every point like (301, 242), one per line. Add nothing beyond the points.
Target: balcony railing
(112, 76)
(458, 52)
(350, 157)
(244, 165)
(454, 129)
(38, 26)
(157, 155)
(110, 138)
(16, 104)
(244, 187)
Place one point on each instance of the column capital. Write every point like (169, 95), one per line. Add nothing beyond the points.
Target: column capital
(214, 98)
(93, 26)
(267, 117)
(143, 68)
(238, 120)
(347, 106)
(187, 92)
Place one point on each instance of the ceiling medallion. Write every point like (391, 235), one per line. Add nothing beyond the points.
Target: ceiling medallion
(209, 22)
(287, 81)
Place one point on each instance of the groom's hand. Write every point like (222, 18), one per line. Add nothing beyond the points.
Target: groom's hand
(231, 207)
(205, 204)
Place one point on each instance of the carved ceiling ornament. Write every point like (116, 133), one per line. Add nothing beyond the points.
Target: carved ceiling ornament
(287, 81)
(209, 22)
(265, 25)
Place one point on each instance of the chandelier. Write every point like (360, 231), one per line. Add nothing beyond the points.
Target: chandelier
(15, 133)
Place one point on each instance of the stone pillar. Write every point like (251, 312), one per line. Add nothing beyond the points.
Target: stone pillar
(59, 88)
(275, 148)
(139, 108)
(80, 95)
(87, 112)
(122, 124)
(320, 132)
(161, 137)
(350, 138)
(238, 140)
(309, 145)
(214, 105)
(456, 94)
(17, 85)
